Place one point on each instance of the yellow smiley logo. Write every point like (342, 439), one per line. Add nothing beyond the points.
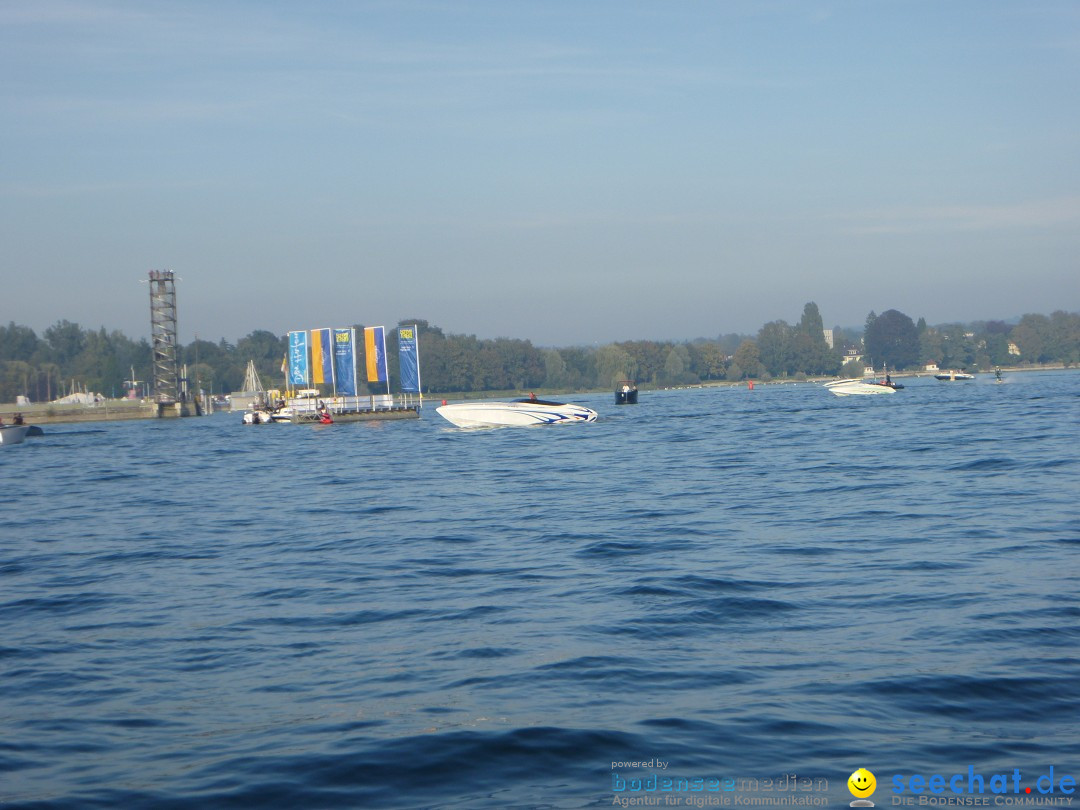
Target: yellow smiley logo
(861, 783)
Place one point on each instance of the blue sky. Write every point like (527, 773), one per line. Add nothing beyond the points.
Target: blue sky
(568, 172)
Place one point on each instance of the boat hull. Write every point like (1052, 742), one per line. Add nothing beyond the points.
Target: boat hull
(514, 414)
(958, 376)
(856, 387)
(13, 434)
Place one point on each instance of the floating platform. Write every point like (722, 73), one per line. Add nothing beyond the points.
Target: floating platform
(307, 410)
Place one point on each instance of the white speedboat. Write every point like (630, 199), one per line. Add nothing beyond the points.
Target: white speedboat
(518, 413)
(951, 376)
(13, 434)
(267, 416)
(854, 386)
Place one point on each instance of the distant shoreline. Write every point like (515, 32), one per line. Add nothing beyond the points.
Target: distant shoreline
(109, 410)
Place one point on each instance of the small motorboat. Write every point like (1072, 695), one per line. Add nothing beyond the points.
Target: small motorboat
(887, 383)
(13, 434)
(855, 386)
(517, 413)
(626, 393)
(266, 416)
(949, 376)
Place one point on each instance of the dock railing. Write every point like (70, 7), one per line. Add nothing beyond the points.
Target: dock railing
(307, 408)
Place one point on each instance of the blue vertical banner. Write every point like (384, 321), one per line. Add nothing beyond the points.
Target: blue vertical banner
(375, 353)
(345, 361)
(298, 358)
(409, 358)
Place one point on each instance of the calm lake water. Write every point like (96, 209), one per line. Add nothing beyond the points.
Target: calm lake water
(733, 584)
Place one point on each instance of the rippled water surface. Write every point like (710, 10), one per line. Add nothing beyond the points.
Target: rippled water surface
(739, 583)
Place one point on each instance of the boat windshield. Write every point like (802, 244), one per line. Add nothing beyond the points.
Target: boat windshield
(532, 401)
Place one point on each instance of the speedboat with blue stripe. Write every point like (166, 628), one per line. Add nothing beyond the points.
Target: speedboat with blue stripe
(517, 413)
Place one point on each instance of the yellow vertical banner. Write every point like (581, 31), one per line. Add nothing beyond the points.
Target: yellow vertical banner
(316, 358)
(375, 353)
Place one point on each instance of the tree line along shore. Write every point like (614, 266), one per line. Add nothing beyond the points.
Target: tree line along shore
(67, 357)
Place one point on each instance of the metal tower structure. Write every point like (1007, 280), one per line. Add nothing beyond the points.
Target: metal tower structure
(163, 335)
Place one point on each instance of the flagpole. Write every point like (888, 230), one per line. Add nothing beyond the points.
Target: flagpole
(419, 387)
(386, 364)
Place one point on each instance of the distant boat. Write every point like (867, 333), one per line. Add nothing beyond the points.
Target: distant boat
(954, 375)
(855, 386)
(252, 395)
(267, 416)
(518, 413)
(626, 393)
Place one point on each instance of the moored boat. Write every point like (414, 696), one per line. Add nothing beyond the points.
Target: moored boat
(266, 416)
(517, 413)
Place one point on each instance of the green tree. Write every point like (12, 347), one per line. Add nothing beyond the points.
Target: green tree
(957, 345)
(677, 367)
(812, 353)
(1031, 336)
(54, 377)
(266, 349)
(993, 338)
(580, 367)
(647, 358)
(746, 362)
(891, 339)
(15, 379)
(775, 343)
(65, 341)
(730, 343)
(555, 372)
(18, 343)
(613, 363)
(1064, 337)
(707, 359)
(931, 348)
(521, 365)
(852, 369)
(810, 323)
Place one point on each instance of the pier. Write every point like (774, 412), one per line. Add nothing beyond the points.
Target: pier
(306, 410)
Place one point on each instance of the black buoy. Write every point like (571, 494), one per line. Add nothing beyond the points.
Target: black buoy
(626, 393)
